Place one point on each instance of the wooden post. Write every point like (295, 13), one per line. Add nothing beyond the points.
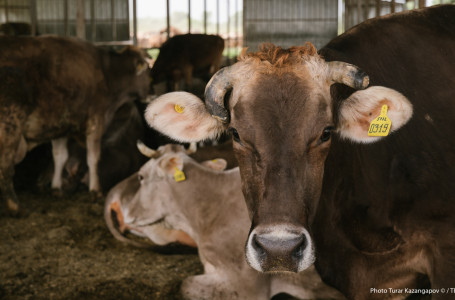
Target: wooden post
(378, 8)
(134, 23)
(80, 19)
(228, 31)
(205, 16)
(392, 6)
(65, 18)
(359, 11)
(189, 16)
(366, 11)
(113, 21)
(421, 3)
(92, 20)
(217, 16)
(33, 17)
(168, 20)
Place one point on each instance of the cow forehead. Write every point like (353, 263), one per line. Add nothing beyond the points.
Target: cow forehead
(281, 102)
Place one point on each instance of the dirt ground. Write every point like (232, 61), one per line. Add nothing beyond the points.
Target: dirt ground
(61, 249)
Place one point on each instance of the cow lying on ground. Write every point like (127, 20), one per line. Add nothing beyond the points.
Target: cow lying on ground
(376, 217)
(66, 87)
(184, 55)
(208, 205)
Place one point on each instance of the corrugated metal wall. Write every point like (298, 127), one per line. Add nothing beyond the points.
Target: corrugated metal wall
(105, 20)
(357, 11)
(289, 22)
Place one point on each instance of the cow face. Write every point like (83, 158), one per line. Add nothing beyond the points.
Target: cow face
(159, 208)
(278, 107)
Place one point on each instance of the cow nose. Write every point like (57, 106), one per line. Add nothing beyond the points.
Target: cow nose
(292, 247)
(280, 249)
(117, 217)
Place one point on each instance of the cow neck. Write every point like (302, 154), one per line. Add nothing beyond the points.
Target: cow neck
(218, 195)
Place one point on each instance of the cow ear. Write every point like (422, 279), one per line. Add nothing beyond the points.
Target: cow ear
(217, 164)
(356, 113)
(183, 117)
(170, 163)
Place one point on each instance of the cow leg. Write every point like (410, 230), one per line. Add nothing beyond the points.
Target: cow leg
(94, 135)
(60, 156)
(13, 148)
(444, 268)
(7, 188)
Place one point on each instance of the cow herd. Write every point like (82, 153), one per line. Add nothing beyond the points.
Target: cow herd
(338, 181)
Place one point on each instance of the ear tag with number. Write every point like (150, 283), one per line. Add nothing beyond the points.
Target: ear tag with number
(179, 175)
(179, 108)
(381, 125)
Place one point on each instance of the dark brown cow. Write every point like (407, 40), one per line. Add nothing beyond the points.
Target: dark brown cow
(74, 87)
(15, 28)
(377, 217)
(184, 55)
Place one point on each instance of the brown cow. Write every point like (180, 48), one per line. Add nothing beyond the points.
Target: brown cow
(184, 55)
(377, 217)
(74, 87)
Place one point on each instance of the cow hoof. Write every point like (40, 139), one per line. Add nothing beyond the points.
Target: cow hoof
(96, 195)
(13, 208)
(57, 193)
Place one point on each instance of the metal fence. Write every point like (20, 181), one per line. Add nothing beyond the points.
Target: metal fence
(94, 20)
(289, 22)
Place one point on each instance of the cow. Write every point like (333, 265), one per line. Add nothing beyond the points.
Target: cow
(184, 55)
(375, 213)
(73, 88)
(208, 205)
(16, 29)
(118, 144)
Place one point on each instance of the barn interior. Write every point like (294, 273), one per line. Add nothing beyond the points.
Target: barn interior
(59, 247)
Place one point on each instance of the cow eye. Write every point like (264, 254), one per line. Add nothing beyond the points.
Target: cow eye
(140, 177)
(326, 133)
(235, 134)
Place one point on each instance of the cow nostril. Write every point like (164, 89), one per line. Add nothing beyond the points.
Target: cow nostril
(300, 248)
(258, 247)
(114, 218)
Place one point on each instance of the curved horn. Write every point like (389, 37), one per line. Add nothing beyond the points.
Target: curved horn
(215, 91)
(192, 149)
(348, 74)
(146, 150)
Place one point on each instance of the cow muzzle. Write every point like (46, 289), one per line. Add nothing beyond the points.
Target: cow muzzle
(283, 248)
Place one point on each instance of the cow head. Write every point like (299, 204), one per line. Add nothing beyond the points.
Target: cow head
(158, 209)
(278, 106)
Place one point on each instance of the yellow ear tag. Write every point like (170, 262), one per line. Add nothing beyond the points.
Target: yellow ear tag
(381, 125)
(179, 175)
(179, 108)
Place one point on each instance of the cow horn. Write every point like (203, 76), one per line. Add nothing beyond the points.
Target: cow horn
(348, 74)
(215, 91)
(192, 149)
(146, 150)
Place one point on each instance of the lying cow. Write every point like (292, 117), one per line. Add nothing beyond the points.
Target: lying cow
(184, 55)
(208, 205)
(373, 216)
(72, 88)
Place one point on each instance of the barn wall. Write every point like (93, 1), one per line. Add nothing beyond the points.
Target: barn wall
(289, 22)
(357, 11)
(105, 20)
